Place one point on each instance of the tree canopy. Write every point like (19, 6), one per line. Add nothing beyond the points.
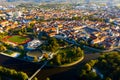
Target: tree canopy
(107, 65)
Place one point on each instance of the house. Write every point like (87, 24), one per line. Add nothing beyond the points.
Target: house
(1, 30)
(4, 23)
(98, 40)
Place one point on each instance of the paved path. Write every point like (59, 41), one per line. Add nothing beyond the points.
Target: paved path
(30, 78)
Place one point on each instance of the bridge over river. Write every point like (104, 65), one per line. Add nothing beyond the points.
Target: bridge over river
(33, 69)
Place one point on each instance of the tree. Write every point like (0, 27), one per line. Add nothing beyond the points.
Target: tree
(21, 47)
(35, 78)
(58, 59)
(11, 73)
(87, 67)
(93, 62)
(2, 48)
(20, 33)
(31, 25)
(96, 45)
(79, 52)
(47, 78)
(107, 64)
(22, 76)
(35, 59)
(108, 78)
(92, 75)
(82, 72)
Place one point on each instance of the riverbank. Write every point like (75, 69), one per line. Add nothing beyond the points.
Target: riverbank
(73, 63)
(64, 73)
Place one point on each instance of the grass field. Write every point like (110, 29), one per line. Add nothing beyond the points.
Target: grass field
(16, 39)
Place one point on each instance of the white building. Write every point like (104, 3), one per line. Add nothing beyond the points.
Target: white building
(34, 44)
(60, 36)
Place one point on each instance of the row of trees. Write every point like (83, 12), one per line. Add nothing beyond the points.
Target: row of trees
(12, 74)
(107, 64)
(88, 43)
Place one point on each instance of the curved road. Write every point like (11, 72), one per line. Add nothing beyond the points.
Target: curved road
(69, 73)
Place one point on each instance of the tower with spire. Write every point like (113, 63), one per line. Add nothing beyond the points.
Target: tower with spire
(57, 28)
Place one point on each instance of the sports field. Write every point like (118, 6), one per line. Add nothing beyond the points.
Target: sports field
(16, 39)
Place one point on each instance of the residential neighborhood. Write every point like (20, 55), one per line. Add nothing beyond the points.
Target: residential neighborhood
(59, 35)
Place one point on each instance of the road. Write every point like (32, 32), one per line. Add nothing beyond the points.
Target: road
(99, 50)
(68, 73)
(118, 49)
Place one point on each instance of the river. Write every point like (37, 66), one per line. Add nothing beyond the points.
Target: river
(66, 73)
(69, 73)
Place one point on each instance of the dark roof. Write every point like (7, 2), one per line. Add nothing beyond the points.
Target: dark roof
(35, 53)
(0, 25)
(90, 30)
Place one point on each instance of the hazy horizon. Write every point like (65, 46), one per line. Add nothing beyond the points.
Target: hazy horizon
(17, 2)
(59, 1)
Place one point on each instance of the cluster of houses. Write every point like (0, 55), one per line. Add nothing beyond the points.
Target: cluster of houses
(106, 33)
(101, 33)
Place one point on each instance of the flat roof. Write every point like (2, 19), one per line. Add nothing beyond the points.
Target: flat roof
(35, 53)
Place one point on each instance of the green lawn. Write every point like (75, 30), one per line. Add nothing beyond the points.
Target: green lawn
(18, 39)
